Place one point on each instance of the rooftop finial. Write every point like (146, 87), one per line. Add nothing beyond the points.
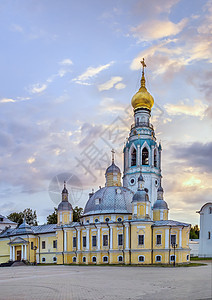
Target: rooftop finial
(113, 152)
(143, 81)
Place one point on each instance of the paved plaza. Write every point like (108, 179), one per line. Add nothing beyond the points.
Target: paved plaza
(105, 282)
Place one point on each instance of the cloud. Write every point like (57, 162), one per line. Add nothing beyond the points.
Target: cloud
(196, 109)
(7, 100)
(66, 62)
(195, 155)
(10, 100)
(110, 83)
(120, 86)
(91, 72)
(38, 88)
(157, 29)
(17, 28)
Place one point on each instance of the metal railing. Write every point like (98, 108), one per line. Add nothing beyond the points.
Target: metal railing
(142, 124)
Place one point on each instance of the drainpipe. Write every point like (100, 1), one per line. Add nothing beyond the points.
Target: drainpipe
(108, 244)
(76, 243)
(130, 242)
(123, 244)
(152, 246)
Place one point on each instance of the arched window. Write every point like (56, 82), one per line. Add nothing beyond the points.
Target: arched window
(145, 156)
(94, 259)
(133, 158)
(74, 259)
(141, 258)
(155, 158)
(120, 258)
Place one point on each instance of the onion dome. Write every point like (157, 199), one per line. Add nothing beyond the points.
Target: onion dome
(110, 199)
(113, 169)
(141, 195)
(142, 99)
(64, 204)
(160, 203)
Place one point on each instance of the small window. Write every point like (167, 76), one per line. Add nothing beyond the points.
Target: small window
(158, 239)
(173, 239)
(43, 244)
(119, 219)
(84, 259)
(210, 210)
(94, 241)
(94, 259)
(145, 156)
(140, 239)
(96, 220)
(74, 259)
(155, 158)
(120, 240)
(187, 257)
(97, 201)
(55, 244)
(107, 219)
(54, 259)
(1, 219)
(87, 221)
(120, 258)
(74, 242)
(141, 258)
(105, 259)
(43, 259)
(133, 158)
(172, 257)
(105, 240)
(209, 235)
(32, 245)
(158, 258)
(84, 241)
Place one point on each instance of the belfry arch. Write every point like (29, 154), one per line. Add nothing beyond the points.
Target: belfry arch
(145, 156)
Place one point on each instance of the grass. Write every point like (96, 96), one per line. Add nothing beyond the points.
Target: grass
(200, 258)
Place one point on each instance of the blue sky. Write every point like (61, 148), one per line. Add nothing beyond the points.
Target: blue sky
(68, 72)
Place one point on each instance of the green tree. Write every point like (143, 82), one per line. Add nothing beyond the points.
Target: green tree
(18, 217)
(52, 219)
(77, 213)
(194, 232)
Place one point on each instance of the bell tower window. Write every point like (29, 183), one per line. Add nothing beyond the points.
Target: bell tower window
(155, 158)
(133, 158)
(145, 156)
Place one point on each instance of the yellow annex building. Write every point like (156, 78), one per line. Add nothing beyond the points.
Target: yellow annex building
(122, 223)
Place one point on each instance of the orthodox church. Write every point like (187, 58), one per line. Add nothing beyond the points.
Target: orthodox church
(122, 223)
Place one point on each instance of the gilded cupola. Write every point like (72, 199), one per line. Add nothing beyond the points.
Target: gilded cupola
(142, 99)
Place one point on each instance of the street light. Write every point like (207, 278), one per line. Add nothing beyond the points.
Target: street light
(35, 248)
(174, 245)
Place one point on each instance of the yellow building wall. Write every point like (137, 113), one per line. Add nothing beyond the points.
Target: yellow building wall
(4, 251)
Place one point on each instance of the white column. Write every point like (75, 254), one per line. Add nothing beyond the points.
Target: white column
(25, 252)
(87, 239)
(65, 240)
(22, 252)
(152, 156)
(180, 238)
(138, 155)
(167, 238)
(111, 238)
(127, 236)
(13, 253)
(161, 214)
(98, 238)
(78, 239)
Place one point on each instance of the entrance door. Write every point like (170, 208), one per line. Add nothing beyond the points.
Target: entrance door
(18, 254)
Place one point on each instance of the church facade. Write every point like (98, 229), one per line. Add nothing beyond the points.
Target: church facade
(122, 223)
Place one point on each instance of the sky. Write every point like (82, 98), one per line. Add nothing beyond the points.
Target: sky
(68, 71)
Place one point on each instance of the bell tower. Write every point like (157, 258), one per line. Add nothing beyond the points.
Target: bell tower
(141, 149)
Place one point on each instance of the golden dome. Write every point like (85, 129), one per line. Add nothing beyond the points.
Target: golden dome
(142, 99)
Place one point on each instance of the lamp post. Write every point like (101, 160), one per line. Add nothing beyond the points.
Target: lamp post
(174, 245)
(35, 248)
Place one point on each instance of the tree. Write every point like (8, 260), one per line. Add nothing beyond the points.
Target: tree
(77, 213)
(18, 217)
(194, 232)
(52, 219)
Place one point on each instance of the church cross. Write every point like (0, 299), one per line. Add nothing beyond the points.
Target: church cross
(143, 64)
(113, 152)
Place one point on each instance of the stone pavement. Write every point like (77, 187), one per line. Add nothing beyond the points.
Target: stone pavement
(105, 282)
